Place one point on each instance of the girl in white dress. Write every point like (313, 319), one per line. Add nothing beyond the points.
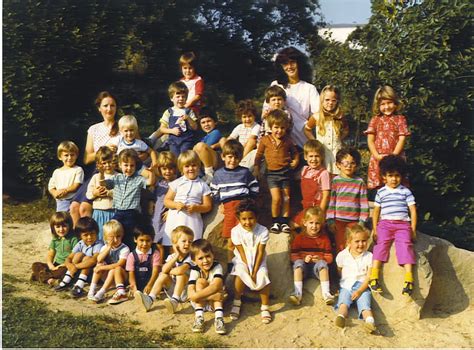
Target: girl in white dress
(187, 198)
(250, 269)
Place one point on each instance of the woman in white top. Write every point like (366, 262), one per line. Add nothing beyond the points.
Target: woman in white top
(302, 98)
(105, 133)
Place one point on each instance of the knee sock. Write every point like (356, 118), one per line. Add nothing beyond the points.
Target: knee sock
(66, 280)
(199, 312)
(219, 312)
(120, 289)
(81, 281)
(325, 288)
(298, 288)
(374, 273)
(409, 277)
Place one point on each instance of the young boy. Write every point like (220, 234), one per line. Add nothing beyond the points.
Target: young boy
(127, 191)
(230, 185)
(209, 144)
(246, 133)
(194, 82)
(128, 127)
(275, 98)
(348, 202)
(310, 255)
(111, 265)
(175, 270)
(178, 121)
(394, 218)
(281, 156)
(83, 257)
(66, 180)
(143, 263)
(206, 285)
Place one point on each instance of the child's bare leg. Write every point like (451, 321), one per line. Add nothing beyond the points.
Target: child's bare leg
(74, 211)
(265, 298)
(276, 202)
(85, 209)
(181, 282)
(369, 320)
(163, 280)
(230, 254)
(285, 212)
(239, 288)
(206, 154)
(119, 275)
(344, 310)
(297, 295)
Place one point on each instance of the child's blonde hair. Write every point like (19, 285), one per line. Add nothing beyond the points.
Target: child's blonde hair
(113, 226)
(385, 92)
(166, 159)
(60, 218)
(278, 117)
(67, 146)
(188, 157)
(187, 58)
(314, 211)
(327, 116)
(181, 230)
(177, 87)
(314, 146)
(128, 121)
(351, 230)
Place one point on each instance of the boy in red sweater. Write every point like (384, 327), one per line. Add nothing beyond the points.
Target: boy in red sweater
(310, 255)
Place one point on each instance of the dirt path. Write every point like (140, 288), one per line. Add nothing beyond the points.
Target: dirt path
(308, 326)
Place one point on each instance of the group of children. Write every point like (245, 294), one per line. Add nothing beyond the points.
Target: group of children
(165, 252)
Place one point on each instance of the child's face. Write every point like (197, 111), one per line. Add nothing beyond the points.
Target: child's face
(107, 166)
(248, 119)
(358, 243)
(128, 133)
(291, 69)
(347, 166)
(184, 243)
(61, 229)
(231, 161)
(313, 159)
(313, 225)
(204, 260)
(329, 101)
(207, 124)
(278, 131)
(276, 102)
(392, 179)
(128, 166)
(387, 107)
(179, 99)
(188, 71)
(190, 171)
(89, 237)
(68, 158)
(113, 238)
(143, 243)
(108, 108)
(168, 173)
(248, 220)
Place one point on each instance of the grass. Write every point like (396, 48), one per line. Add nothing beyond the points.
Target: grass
(29, 323)
(27, 212)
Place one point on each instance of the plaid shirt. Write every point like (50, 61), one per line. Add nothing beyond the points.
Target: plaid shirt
(127, 191)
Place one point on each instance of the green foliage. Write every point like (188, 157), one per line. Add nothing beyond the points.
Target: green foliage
(424, 50)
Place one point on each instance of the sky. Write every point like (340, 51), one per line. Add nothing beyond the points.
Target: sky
(345, 11)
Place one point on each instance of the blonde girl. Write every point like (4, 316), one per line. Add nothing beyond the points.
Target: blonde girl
(187, 198)
(102, 197)
(386, 133)
(331, 126)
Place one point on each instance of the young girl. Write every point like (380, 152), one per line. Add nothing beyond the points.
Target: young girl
(111, 265)
(311, 255)
(331, 126)
(60, 248)
(250, 269)
(386, 133)
(167, 170)
(187, 198)
(353, 264)
(101, 196)
(193, 81)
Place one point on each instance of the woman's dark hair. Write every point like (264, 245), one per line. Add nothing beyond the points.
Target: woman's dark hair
(391, 164)
(104, 94)
(305, 72)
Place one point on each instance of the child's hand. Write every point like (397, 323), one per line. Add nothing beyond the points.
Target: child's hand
(374, 234)
(99, 267)
(147, 289)
(100, 191)
(180, 206)
(307, 259)
(191, 208)
(61, 193)
(113, 147)
(380, 157)
(256, 172)
(314, 258)
(254, 276)
(175, 131)
(413, 234)
(355, 295)
(221, 208)
(164, 215)
(176, 249)
(133, 288)
(293, 163)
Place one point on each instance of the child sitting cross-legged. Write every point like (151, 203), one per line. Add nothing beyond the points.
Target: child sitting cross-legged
(311, 254)
(206, 286)
(111, 265)
(175, 272)
(83, 257)
(353, 263)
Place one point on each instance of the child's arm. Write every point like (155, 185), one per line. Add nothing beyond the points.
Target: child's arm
(309, 126)
(258, 259)
(241, 251)
(104, 253)
(169, 202)
(375, 221)
(364, 285)
(399, 146)
(200, 208)
(50, 259)
(179, 270)
(87, 263)
(149, 176)
(108, 267)
(154, 275)
(132, 281)
(191, 118)
(331, 213)
(324, 200)
(258, 157)
(154, 157)
(414, 219)
(296, 158)
(165, 130)
(214, 287)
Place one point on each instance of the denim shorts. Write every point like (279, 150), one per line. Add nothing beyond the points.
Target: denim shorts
(363, 302)
(279, 178)
(310, 269)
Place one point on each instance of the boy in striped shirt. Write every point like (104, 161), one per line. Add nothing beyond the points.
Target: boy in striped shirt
(394, 219)
(348, 202)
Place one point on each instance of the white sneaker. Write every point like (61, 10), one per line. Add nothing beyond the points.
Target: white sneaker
(118, 298)
(329, 299)
(143, 300)
(171, 305)
(98, 298)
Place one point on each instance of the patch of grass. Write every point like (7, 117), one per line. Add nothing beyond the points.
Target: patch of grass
(6, 277)
(27, 212)
(29, 323)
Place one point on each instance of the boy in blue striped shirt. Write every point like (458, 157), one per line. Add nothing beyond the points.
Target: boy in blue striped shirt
(394, 218)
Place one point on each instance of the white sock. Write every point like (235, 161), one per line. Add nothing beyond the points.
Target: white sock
(92, 289)
(209, 170)
(299, 288)
(176, 297)
(100, 293)
(66, 280)
(370, 319)
(121, 289)
(325, 288)
(152, 296)
(219, 312)
(81, 281)
(199, 312)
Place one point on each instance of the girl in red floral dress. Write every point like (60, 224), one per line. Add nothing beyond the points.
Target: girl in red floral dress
(386, 133)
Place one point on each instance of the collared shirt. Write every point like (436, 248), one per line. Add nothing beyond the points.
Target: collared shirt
(155, 261)
(278, 156)
(189, 191)
(88, 250)
(354, 269)
(394, 202)
(137, 145)
(127, 191)
(62, 247)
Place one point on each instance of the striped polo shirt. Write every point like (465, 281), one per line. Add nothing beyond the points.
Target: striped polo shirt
(348, 200)
(394, 202)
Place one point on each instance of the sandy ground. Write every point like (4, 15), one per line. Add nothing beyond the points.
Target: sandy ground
(310, 325)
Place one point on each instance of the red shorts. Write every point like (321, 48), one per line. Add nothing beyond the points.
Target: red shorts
(230, 219)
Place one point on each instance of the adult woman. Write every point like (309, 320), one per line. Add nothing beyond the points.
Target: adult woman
(105, 133)
(302, 98)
